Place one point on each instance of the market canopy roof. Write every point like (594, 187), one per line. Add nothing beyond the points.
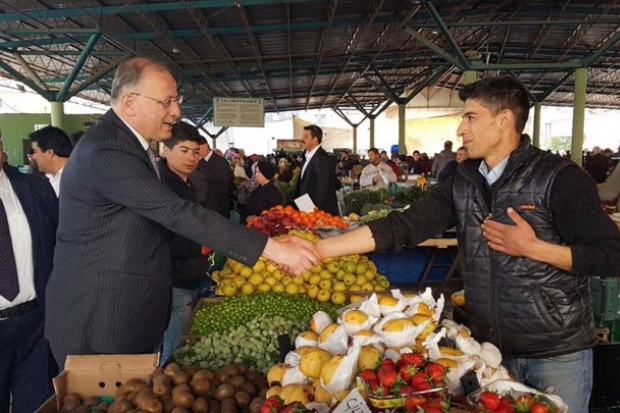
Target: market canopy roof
(306, 54)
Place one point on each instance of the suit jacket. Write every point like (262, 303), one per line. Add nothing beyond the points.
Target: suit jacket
(40, 205)
(110, 288)
(213, 181)
(319, 182)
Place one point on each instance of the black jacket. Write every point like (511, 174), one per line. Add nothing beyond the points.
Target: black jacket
(320, 183)
(263, 198)
(188, 265)
(214, 185)
(525, 316)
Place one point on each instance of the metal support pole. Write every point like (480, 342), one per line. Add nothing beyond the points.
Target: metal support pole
(372, 132)
(57, 114)
(355, 138)
(536, 134)
(402, 147)
(579, 111)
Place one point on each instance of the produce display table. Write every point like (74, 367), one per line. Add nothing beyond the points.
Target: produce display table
(438, 244)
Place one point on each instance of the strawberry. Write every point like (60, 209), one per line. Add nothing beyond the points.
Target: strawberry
(373, 385)
(539, 408)
(406, 390)
(271, 405)
(420, 381)
(489, 400)
(412, 402)
(382, 391)
(407, 372)
(435, 371)
(505, 406)
(368, 375)
(387, 375)
(388, 362)
(432, 407)
(412, 359)
(524, 403)
(295, 407)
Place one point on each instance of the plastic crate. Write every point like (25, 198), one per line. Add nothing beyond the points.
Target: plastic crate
(605, 298)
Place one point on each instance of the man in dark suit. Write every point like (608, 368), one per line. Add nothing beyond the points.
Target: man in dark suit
(29, 216)
(110, 288)
(318, 174)
(213, 180)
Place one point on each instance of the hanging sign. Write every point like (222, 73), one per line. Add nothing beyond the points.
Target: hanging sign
(248, 112)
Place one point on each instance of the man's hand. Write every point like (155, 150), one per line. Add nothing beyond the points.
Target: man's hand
(375, 180)
(292, 254)
(516, 240)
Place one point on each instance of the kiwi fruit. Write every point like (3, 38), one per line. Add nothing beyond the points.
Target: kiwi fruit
(183, 399)
(172, 368)
(203, 374)
(214, 406)
(71, 405)
(152, 405)
(242, 368)
(180, 377)
(191, 370)
(200, 405)
(162, 385)
(243, 399)
(200, 387)
(256, 405)
(224, 391)
(237, 380)
(249, 388)
(181, 388)
(120, 406)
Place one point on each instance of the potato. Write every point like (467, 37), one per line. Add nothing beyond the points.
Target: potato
(191, 370)
(214, 406)
(172, 368)
(203, 374)
(179, 409)
(200, 405)
(243, 399)
(200, 387)
(242, 368)
(256, 405)
(183, 399)
(237, 380)
(180, 377)
(224, 391)
(120, 406)
(181, 388)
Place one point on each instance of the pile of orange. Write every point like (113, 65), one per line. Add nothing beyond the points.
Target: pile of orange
(301, 219)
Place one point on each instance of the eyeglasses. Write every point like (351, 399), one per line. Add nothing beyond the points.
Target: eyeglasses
(165, 103)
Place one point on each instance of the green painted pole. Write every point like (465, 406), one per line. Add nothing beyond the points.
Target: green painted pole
(372, 133)
(579, 111)
(469, 76)
(402, 147)
(536, 134)
(58, 114)
(355, 138)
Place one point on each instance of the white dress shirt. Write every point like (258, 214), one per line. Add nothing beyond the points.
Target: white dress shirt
(22, 244)
(309, 156)
(55, 180)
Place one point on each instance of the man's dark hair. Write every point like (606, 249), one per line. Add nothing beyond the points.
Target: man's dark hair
(51, 137)
(182, 132)
(383, 152)
(374, 150)
(75, 137)
(500, 93)
(447, 145)
(315, 132)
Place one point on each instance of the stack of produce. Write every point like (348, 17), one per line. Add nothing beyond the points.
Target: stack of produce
(281, 220)
(246, 329)
(231, 389)
(404, 329)
(328, 281)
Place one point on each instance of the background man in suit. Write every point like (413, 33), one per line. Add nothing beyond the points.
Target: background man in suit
(318, 173)
(213, 180)
(110, 289)
(28, 219)
(51, 149)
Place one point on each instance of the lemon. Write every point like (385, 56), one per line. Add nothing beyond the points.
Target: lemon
(278, 288)
(256, 279)
(312, 291)
(259, 266)
(298, 280)
(368, 287)
(292, 288)
(338, 298)
(339, 286)
(245, 272)
(325, 275)
(270, 280)
(286, 280)
(247, 289)
(314, 279)
(323, 295)
(238, 280)
(264, 287)
(349, 278)
(277, 274)
(361, 268)
(325, 284)
(361, 279)
(229, 289)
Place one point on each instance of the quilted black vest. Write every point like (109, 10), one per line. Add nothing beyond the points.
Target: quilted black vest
(526, 308)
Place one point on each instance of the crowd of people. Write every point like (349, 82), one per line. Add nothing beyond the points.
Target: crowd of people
(105, 255)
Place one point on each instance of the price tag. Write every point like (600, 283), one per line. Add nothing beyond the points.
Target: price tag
(353, 403)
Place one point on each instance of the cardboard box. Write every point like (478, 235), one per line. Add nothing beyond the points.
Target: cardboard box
(98, 375)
